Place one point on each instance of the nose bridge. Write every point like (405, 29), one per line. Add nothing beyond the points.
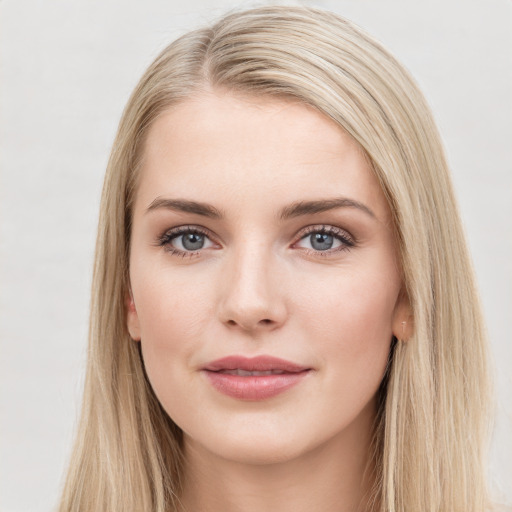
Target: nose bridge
(252, 297)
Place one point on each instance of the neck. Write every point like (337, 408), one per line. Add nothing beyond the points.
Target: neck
(335, 476)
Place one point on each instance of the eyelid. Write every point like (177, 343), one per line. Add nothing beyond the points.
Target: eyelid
(179, 230)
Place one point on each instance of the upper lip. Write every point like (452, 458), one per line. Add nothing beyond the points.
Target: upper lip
(254, 364)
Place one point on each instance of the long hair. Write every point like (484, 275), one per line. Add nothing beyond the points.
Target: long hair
(430, 437)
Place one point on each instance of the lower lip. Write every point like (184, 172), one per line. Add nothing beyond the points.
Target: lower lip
(255, 387)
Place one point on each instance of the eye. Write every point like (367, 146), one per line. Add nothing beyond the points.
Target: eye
(325, 239)
(188, 241)
(185, 241)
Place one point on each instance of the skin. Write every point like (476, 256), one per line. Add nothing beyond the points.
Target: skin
(260, 285)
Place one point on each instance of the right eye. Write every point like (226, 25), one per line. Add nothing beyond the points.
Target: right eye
(185, 241)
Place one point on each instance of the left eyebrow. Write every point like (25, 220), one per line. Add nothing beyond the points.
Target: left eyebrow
(297, 209)
(322, 205)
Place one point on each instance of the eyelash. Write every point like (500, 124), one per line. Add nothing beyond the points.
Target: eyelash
(348, 241)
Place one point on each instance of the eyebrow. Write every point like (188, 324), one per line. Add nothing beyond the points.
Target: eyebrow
(297, 209)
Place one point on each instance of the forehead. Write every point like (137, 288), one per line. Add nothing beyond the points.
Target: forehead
(263, 151)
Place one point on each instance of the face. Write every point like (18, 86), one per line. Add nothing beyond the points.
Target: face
(260, 230)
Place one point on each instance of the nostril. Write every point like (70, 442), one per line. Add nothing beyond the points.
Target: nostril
(265, 321)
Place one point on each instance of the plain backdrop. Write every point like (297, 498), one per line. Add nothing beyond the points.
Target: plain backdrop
(67, 68)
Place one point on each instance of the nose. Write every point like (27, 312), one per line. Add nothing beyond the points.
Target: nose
(252, 292)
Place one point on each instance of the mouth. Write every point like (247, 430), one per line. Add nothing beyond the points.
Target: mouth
(262, 363)
(245, 373)
(257, 378)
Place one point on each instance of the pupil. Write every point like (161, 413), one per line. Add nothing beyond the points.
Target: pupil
(193, 241)
(321, 241)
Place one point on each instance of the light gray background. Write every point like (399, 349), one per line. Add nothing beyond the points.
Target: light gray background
(67, 68)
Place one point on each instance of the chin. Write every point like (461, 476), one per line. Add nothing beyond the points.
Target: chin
(257, 445)
(260, 452)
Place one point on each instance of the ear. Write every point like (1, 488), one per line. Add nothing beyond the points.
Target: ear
(132, 318)
(403, 320)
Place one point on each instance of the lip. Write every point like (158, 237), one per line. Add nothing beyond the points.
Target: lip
(254, 387)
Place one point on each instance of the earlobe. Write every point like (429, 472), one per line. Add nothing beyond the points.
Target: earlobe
(403, 329)
(403, 320)
(132, 318)
(406, 330)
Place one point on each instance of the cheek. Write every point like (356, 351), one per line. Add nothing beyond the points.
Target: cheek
(357, 303)
(172, 316)
(349, 319)
(168, 305)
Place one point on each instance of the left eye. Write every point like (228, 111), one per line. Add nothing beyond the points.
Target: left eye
(327, 239)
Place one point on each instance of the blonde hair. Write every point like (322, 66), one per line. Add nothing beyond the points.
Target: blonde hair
(431, 434)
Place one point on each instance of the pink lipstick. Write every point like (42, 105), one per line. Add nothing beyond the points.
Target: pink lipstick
(254, 378)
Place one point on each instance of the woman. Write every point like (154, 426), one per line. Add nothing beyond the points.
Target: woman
(284, 313)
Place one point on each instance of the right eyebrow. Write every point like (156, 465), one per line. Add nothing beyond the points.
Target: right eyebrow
(184, 205)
